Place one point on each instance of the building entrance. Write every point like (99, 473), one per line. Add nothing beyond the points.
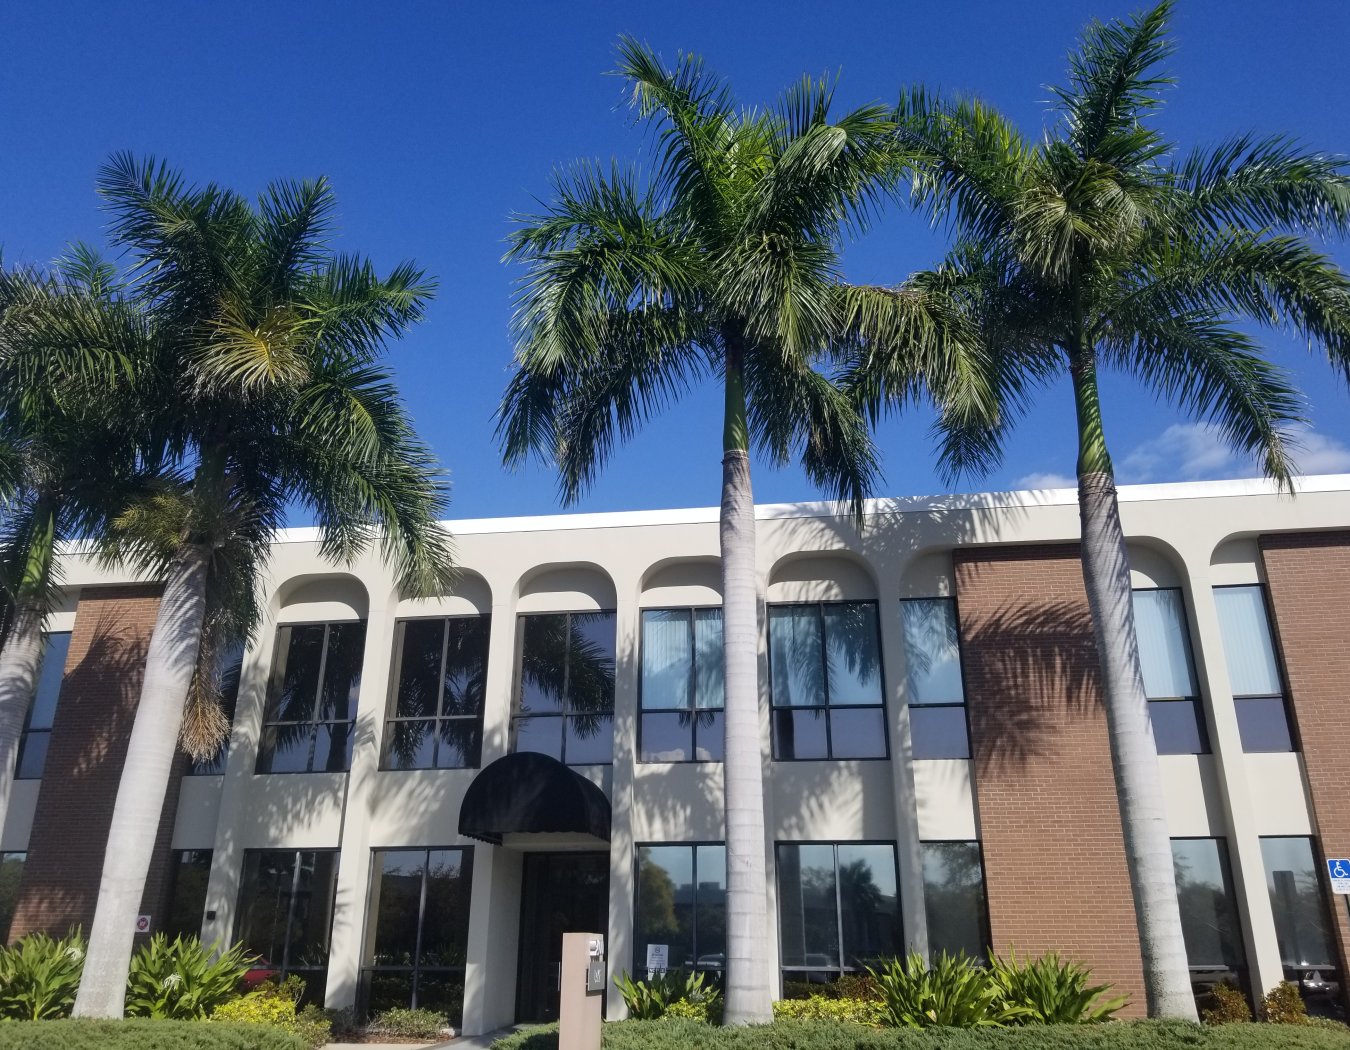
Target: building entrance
(560, 893)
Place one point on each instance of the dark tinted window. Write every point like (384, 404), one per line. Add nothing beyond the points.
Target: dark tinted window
(229, 665)
(954, 898)
(11, 874)
(838, 908)
(286, 912)
(317, 680)
(1253, 670)
(681, 903)
(1209, 920)
(419, 904)
(825, 677)
(37, 731)
(565, 692)
(682, 686)
(1302, 918)
(187, 899)
(937, 712)
(441, 678)
(1169, 673)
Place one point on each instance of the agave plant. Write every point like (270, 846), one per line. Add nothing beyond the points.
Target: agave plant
(183, 979)
(1053, 990)
(956, 992)
(39, 976)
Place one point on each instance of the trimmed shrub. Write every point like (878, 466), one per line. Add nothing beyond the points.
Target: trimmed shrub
(414, 1024)
(1284, 1004)
(39, 976)
(821, 1008)
(825, 1035)
(143, 1035)
(954, 992)
(1052, 990)
(277, 1005)
(1227, 1005)
(182, 980)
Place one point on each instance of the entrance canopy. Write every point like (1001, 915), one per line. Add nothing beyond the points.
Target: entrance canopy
(532, 794)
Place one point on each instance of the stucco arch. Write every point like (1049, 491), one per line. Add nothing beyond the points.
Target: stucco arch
(815, 576)
(569, 587)
(471, 595)
(682, 581)
(321, 597)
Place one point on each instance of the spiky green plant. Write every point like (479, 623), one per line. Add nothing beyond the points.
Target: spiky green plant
(1053, 990)
(954, 992)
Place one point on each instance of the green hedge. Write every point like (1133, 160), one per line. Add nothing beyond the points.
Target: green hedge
(825, 1035)
(143, 1035)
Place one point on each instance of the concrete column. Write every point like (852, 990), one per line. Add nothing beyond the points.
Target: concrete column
(501, 674)
(227, 856)
(494, 939)
(622, 891)
(895, 678)
(353, 881)
(1241, 831)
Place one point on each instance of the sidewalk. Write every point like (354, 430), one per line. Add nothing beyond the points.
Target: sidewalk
(462, 1042)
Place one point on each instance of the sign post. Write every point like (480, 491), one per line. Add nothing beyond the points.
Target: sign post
(1339, 870)
(581, 991)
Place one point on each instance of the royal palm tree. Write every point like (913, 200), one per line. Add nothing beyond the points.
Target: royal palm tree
(722, 266)
(1101, 247)
(267, 358)
(66, 464)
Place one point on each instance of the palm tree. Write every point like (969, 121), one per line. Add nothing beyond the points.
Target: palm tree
(723, 265)
(267, 364)
(66, 464)
(1098, 248)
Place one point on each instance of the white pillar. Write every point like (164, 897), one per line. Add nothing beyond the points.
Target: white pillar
(353, 880)
(1243, 837)
(619, 941)
(494, 937)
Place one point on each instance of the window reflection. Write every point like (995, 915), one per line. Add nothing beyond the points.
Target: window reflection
(682, 690)
(441, 676)
(37, 729)
(1209, 920)
(825, 679)
(954, 898)
(937, 712)
(1169, 673)
(1253, 670)
(286, 902)
(310, 716)
(565, 693)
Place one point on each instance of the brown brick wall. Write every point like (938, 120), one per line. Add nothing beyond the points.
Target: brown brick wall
(84, 764)
(1308, 578)
(1044, 791)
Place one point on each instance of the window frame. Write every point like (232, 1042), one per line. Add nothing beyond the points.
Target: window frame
(283, 966)
(566, 714)
(27, 732)
(640, 965)
(963, 703)
(1277, 653)
(693, 709)
(1225, 858)
(392, 717)
(275, 680)
(1329, 910)
(986, 924)
(825, 706)
(843, 967)
(1197, 702)
(415, 970)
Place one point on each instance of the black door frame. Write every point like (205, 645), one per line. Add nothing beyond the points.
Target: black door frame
(527, 942)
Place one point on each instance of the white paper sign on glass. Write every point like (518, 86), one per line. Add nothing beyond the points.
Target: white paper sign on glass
(658, 957)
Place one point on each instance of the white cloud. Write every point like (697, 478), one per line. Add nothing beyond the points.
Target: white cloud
(1183, 452)
(1198, 452)
(1049, 480)
(1319, 454)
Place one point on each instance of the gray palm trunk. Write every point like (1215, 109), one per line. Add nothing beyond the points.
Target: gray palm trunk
(145, 779)
(748, 996)
(1134, 755)
(20, 664)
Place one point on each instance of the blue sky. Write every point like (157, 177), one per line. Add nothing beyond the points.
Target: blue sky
(435, 121)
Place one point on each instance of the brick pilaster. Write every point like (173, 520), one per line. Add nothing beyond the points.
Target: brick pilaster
(1045, 794)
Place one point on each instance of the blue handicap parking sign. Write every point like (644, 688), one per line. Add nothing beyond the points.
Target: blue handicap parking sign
(1339, 870)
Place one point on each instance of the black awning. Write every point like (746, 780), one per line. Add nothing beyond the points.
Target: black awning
(529, 793)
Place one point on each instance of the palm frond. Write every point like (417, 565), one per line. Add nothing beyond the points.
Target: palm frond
(1216, 372)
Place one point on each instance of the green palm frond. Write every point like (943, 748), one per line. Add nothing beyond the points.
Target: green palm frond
(1264, 182)
(1112, 88)
(1217, 373)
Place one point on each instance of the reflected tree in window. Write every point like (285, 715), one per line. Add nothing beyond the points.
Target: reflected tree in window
(565, 702)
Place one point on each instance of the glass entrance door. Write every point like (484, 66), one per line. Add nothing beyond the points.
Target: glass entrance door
(560, 893)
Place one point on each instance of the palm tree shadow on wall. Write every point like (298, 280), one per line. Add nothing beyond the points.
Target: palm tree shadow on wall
(1048, 653)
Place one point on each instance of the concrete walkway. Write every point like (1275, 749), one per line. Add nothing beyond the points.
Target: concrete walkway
(463, 1042)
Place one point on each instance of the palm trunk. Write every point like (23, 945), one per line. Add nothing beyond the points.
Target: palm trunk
(145, 779)
(1134, 755)
(748, 997)
(21, 651)
(20, 663)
